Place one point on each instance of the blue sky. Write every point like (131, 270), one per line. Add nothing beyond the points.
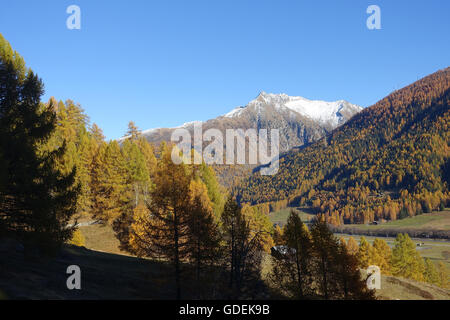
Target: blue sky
(163, 63)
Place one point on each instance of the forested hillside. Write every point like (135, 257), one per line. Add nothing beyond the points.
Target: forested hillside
(300, 121)
(56, 166)
(389, 161)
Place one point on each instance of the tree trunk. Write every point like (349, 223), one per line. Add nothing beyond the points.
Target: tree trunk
(177, 255)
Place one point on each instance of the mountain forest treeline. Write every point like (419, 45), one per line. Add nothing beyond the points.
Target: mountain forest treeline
(388, 162)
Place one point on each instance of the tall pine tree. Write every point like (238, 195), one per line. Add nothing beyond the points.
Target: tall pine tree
(36, 200)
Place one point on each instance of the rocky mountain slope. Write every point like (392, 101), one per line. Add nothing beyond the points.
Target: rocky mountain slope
(299, 120)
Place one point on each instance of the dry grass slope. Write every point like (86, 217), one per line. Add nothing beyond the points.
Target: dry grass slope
(393, 288)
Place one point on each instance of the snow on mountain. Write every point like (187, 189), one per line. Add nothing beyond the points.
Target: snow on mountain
(234, 112)
(317, 110)
(299, 120)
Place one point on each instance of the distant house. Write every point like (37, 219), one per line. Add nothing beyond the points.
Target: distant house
(420, 244)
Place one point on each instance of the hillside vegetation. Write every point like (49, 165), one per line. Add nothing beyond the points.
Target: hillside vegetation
(112, 276)
(389, 161)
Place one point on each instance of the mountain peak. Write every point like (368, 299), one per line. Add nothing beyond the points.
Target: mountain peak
(317, 110)
(301, 120)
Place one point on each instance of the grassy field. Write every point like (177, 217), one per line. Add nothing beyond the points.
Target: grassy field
(101, 238)
(280, 217)
(430, 221)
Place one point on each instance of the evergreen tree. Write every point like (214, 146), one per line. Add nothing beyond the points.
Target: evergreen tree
(138, 177)
(36, 200)
(133, 131)
(443, 275)
(292, 270)
(260, 226)
(70, 129)
(364, 253)
(278, 235)
(244, 247)
(350, 284)
(137, 239)
(86, 152)
(149, 155)
(167, 227)
(335, 270)
(203, 244)
(382, 256)
(406, 261)
(108, 185)
(431, 274)
(352, 246)
(215, 190)
(325, 246)
(141, 166)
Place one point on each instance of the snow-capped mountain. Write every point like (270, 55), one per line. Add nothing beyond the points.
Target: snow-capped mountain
(298, 119)
(317, 110)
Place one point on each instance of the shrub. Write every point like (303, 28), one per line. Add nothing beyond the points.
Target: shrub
(78, 239)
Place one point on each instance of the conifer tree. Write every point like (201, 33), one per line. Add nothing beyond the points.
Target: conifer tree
(364, 253)
(71, 130)
(431, 274)
(166, 229)
(350, 284)
(278, 235)
(137, 175)
(406, 261)
(203, 244)
(37, 201)
(137, 240)
(352, 246)
(244, 247)
(215, 190)
(133, 131)
(109, 189)
(85, 157)
(150, 160)
(382, 256)
(325, 247)
(336, 270)
(292, 271)
(260, 226)
(443, 275)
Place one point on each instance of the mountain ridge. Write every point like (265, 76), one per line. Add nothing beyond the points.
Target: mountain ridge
(390, 160)
(300, 120)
